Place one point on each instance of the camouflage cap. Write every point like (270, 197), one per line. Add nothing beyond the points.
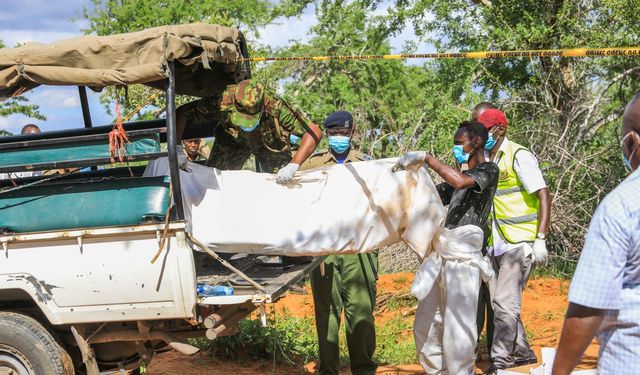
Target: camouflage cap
(248, 103)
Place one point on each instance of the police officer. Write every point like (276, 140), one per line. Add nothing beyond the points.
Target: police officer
(349, 281)
(250, 120)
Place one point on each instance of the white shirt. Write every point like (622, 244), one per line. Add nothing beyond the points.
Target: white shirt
(530, 175)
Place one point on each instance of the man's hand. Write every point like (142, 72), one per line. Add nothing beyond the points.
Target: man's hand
(539, 252)
(580, 326)
(410, 158)
(286, 173)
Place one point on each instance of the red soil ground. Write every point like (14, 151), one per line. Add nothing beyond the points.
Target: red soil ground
(544, 304)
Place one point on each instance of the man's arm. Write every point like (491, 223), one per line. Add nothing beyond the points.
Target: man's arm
(544, 214)
(581, 324)
(452, 176)
(310, 141)
(529, 173)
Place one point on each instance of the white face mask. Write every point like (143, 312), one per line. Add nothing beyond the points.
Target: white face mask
(627, 161)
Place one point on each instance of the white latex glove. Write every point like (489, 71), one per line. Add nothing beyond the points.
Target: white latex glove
(286, 173)
(539, 252)
(410, 158)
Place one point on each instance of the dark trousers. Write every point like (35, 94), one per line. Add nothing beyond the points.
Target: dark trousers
(485, 310)
(348, 284)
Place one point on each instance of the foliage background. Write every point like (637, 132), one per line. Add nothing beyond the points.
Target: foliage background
(566, 110)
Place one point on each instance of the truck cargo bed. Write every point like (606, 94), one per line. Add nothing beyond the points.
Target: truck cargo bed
(276, 277)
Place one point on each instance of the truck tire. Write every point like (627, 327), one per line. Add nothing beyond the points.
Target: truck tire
(27, 348)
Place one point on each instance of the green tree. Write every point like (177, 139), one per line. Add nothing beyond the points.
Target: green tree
(392, 102)
(566, 109)
(115, 16)
(19, 105)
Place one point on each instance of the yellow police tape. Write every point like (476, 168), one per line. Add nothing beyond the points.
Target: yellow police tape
(571, 52)
(141, 105)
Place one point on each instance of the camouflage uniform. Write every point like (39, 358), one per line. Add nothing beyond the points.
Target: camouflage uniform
(269, 142)
(348, 284)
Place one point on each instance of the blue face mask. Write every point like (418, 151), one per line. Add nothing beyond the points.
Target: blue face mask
(459, 154)
(249, 130)
(490, 142)
(294, 139)
(339, 143)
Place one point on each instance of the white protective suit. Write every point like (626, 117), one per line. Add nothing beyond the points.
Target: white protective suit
(447, 286)
(341, 209)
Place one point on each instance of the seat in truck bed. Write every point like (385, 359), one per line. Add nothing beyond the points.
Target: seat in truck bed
(67, 152)
(84, 203)
(82, 199)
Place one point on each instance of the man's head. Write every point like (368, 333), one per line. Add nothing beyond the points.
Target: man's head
(469, 140)
(191, 147)
(480, 108)
(496, 123)
(630, 143)
(339, 128)
(248, 103)
(30, 129)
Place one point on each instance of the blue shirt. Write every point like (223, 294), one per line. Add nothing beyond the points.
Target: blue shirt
(608, 277)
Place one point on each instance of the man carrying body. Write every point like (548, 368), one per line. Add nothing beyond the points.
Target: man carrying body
(349, 281)
(484, 300)
(604, 297)
(445, 325)
(248, 120)
(195, 149)
(521, 212)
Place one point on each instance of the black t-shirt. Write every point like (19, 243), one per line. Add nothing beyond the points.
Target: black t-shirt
(471, 205)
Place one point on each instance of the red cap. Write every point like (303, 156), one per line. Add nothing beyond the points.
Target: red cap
(493, 117)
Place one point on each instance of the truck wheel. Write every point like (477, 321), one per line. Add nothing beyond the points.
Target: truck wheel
(27, 348)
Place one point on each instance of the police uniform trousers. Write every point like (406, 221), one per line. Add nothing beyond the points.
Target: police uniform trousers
(348, 285)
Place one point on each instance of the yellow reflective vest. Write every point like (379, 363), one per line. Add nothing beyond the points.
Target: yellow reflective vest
(515, 212)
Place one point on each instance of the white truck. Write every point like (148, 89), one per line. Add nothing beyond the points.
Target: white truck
(97, 268)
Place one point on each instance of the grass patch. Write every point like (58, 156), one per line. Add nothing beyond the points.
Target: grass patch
(399, 281)
(400, 301)
(556, 269)
(293, 341)
(286, 339)
(395, 343)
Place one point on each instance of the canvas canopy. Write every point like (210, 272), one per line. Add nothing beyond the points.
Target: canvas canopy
(205, 54)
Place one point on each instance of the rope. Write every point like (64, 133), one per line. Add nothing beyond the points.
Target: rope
(54, 177)
(118, 137)
(570, 52)
(165, 232)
